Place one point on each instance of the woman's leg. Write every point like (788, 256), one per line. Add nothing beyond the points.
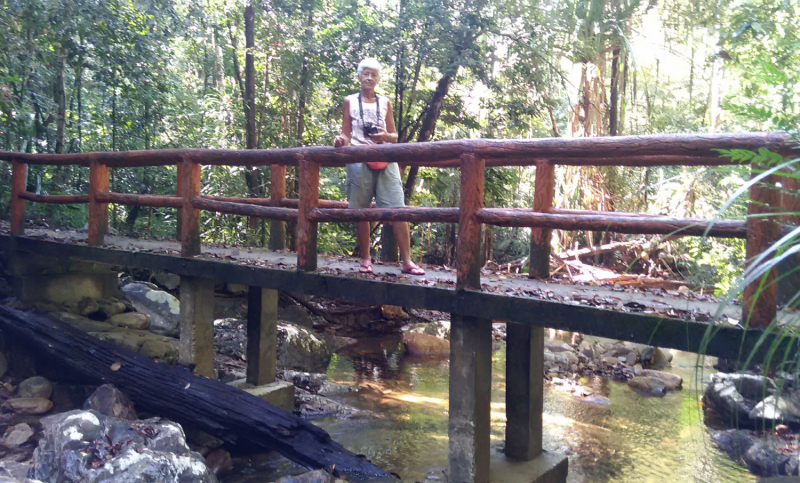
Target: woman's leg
(362, 236)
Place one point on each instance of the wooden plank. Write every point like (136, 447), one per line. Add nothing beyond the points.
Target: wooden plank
(197, 324)
(98, 211)
(268, 212)
(240, 419)
(525, 397)
(409, 214)
(262, 335)
(543, 193)
(277, 192)
(55, 199)
(306, 228)
(655, 225)
(19, 185)
(160, 201)
(759, 302)
(190, 220)
(721, 340)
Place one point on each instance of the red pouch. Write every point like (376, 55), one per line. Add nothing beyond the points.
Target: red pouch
(377, 165)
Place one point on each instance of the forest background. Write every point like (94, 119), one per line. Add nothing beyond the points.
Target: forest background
(109, 75)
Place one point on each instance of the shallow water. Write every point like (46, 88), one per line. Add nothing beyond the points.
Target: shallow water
(633, 438)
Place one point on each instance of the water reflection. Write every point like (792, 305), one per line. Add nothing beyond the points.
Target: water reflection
(632, 439)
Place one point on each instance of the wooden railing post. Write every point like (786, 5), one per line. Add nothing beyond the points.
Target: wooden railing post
(761, 297)
(190, 222)
(277, 228)
(543, 193)
(19, 184)
(179, 192)
(470, 345)
(98, 212)
(307, 229)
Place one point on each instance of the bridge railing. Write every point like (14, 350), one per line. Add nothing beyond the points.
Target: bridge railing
(471, 157)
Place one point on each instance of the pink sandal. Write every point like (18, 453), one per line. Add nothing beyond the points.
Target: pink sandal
(365, 267)
(412, 270)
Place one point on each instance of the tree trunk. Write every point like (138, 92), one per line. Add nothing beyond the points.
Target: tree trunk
(250, 109)
(61, 102)
(613, 115)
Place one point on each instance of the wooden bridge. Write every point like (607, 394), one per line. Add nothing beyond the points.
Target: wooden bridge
(472, 309)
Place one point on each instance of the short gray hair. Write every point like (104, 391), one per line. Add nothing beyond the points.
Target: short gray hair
(369, 63)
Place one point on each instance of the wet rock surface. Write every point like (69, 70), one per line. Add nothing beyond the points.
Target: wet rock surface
(163, 308)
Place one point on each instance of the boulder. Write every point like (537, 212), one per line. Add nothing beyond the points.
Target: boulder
(556, 345)
(160, 349)
(673, 382)
(90, 447)
(169, 281)
(394, 312)
(776, 408)
(424, 344)
(735, 395)
(296, 315)
(19, 435)
(316, 476)
(314, 406)
(37, 386)
(110, 401)
(219, 462)
(131, 320)
(302, 350)
(111, 307)
(763, 458)
(734, 442)
(648, 386)
(82, 323)
(659, 359)
(439, 329)
(163, 308)
(28, 405)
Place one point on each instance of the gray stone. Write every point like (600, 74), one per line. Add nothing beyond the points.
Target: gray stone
(439, 329)
(110, 308)
(316, 476)
(37, 386)
(170, 281)
(110, 401)
(631, 358)
(160, 349)
(660, 360)
(734, 442)
(163, 308)
(648, 386)
(28, 405)
(673, 382)
(18, 436)
(637, 370)
(3, 365)
(611, 361)
(295, 314)
(301, 350)
(74, 449)
(735, 395)
(131, 320)
(82, 323)
(555, 345)
(219, 462)
(776, 409)
(762, 458)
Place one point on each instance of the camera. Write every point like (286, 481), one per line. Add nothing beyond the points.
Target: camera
(370, 128)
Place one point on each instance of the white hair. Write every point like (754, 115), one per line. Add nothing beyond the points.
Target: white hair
(369, 64)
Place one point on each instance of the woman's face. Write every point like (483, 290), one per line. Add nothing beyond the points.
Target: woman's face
(369, 78)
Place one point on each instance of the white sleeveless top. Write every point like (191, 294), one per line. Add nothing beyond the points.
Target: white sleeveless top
(370, 116)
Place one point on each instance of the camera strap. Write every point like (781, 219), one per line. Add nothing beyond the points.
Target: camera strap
(377, 110)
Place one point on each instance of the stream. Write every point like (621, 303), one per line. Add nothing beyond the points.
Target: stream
(404, 425)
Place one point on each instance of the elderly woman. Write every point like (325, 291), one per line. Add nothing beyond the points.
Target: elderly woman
(367, 119)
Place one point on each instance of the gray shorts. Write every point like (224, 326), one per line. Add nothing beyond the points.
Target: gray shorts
(364, 183)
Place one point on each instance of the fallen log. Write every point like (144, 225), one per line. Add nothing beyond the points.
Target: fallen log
(232, 415)
(597, 250)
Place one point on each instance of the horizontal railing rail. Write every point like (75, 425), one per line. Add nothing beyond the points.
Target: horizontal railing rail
(470, 156)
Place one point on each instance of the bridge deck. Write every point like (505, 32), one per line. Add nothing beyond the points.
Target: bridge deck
(662, 318)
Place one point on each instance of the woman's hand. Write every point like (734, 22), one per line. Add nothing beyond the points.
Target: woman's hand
(382, 136)
(340, 141)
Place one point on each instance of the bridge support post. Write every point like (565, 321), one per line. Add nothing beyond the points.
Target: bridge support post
(470, 345)
(307, 229)
(19, 184)
(277, 190)
(524, 391)
(760, 299)
(190, 216)
(197, 324)
(98, 212)
(262, 335)
(543, 192)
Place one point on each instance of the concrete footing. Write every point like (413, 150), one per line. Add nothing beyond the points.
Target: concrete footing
(279, 393)
(546, 468)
